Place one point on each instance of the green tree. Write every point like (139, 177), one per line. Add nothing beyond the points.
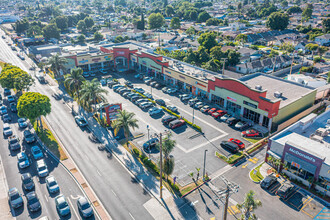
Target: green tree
(62, 22)
(98, 36)
(208, 40)
(81, 39)
(175, 23)
(91, 94)
(81, 26)
(277, 21)
(89, 22)
(56, 63)
(212, 21)
(191, 31)
(32, 105)
(249, 205)
(233, 57)
(312, 47)
(273, 53)
(217, 53)
(307, 13)
(294, 9)
(126, 121)
(203, 16)
(239, 7)
(169, 11)
(168, 145)
(142, 26)
(284, 3)
(22, 25)
(73, 81)
(193, 15)
(119, 39)
(156, 20)
(34, 30)
(328, 79)
(51, 31)
(288, 47)
(326, 25)
(168, 166)
(241, 38)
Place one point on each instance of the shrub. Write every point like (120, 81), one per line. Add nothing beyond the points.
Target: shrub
(136, 152)
(115, 80)
(308, 69)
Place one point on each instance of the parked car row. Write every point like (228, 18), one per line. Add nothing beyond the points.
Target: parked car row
(283, 191)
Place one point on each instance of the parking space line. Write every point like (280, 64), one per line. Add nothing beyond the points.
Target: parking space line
(307, 214)
(310, 199)
(292, 194)
(73, 208)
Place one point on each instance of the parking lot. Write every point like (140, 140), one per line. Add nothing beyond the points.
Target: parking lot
(191, 144)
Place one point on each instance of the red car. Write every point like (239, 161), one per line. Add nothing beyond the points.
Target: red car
(251, 133)
(218, 113)
(239, 143)
(176, 123)
(212, 110)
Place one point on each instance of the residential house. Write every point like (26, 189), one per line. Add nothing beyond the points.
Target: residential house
(237, 26)
(323, 40)
(327, 54)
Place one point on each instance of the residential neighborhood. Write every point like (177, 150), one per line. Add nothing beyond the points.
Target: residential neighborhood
(164, 109)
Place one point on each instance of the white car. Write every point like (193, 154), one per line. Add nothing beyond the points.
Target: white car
(199, 105)
(22, 160)
(145, 105)
(148, 95)
(155, 111)
(52, 184)
(172, 108)
(171, 90)
(139, 89)
(225, 117)
(7, 130)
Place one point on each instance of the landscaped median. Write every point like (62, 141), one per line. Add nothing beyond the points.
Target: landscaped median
(168, 182)
(47, 137)
(194, 126)
(255, 174)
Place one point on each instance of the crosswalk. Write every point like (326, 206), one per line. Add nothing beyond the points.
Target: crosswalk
(253, 160)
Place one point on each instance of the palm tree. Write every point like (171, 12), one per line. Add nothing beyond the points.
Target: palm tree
(125, 120)
(249, 205)
(168, 145)
(168, 166)
(74, 80)
(91, 93)
(56, 63)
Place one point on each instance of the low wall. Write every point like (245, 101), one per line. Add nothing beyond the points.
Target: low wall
(286, 70)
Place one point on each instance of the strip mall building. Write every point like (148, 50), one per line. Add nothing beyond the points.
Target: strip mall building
(260, 98)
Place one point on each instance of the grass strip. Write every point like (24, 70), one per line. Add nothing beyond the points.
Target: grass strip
(257, 177)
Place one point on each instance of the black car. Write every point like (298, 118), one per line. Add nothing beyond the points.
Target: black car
(160, 102)
(285, 190)
(129, 84)
(230, 146)
(135, 98)
(268, 181)
(29, 137)
(153, 84)
(13, 107)
(27, 181)
(158, 86)
(6, 92)
(33, 202)
(232, 121)
(167, 119)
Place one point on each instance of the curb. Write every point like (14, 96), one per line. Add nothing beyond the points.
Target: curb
(195, 188)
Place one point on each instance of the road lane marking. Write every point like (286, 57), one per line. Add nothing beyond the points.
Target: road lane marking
(73, 208)
(46, 197)
(114, 193)
(131, 215)
(74, 197)
(98, 172)
(245, 165)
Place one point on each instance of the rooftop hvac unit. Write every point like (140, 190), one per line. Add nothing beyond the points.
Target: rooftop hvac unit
(259, 87)
(277, 94)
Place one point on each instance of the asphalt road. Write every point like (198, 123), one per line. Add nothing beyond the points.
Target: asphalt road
(68, 186)
(122, 197)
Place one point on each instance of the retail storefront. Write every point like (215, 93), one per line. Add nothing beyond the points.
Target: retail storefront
(94, 63)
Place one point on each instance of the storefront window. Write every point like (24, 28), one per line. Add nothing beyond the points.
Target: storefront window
(323, 182)
(265, 121)
(251, 115)
(292, 168)
(217, 100)
(234, 107)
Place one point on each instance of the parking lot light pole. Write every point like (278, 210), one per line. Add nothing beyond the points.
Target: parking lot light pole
(204, 165)
(193, 119)
(161, 167)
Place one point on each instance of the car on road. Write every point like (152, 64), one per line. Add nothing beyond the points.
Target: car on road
(145, 105)
(212, 110)
(218, 114)
(148, 81)
(6, 91)
(13, 143)
(3, 37)
(15, 198)
(1, 99)
(40, 78)
(155, 111)
(225, 117)
(62, 205)
(13, 107)
(230, 146)
(171, 90)
(27, 181)
(176, 123)
(13, 48)
(198, 105)
(7, 130)
(284, 190)
(172, 108)
(168, 118)
(52, 184)
(36, 152)
(3, 110)
(239, 143)
(268, 181)
(6, 118)
(28, 137)
(242, 125)
(153, 142)
(139, 89)
(11, 98)
(251, 133)
(205, 109)
(42, 168)
(232, 121)
(84, 207)
(22, 160)
(160, 102)
(33, 203)
(147, 78)
(81, 121)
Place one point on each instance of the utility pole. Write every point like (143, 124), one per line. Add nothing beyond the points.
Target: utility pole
(274, 64)
(223, 67)
(161, 167)
(204, 165)
(291, 64)
(231, 188)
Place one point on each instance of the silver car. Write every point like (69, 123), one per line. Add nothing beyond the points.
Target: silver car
(52, 185)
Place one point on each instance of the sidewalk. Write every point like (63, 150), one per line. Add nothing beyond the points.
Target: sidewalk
(5, 213)
(171, 204)
(264, 169)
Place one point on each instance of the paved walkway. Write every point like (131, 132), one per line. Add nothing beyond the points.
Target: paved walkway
(264, 169)
(5, 213)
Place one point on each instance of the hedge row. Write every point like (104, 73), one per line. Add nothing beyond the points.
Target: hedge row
(231, 160)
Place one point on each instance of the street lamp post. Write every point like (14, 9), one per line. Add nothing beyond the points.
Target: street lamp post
(148, 140)
(204, 165)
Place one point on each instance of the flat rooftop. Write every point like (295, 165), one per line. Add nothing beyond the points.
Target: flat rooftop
(301, 136)
(291, 91)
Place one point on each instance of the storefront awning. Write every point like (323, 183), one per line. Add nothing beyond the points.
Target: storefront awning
(271, 153)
